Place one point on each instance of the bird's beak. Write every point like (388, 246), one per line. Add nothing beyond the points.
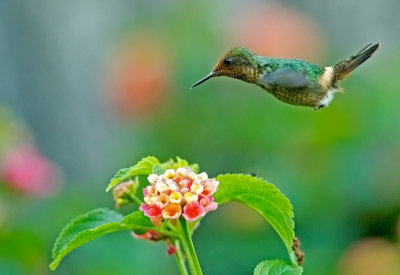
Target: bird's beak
(203, 79)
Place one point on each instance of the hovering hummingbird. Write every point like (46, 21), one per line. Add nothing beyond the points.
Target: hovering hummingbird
(290, 80)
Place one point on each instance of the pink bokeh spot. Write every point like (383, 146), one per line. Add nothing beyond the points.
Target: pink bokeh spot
(193, 211)
(26, 170)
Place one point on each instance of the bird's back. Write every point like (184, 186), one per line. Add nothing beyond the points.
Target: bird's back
(292, 81)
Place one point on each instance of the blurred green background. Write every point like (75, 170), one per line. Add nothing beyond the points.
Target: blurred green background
(87, 87)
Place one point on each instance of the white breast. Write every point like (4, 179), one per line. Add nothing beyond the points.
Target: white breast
(327, 98)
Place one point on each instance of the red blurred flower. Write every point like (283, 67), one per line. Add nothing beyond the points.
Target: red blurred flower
(277, 31)
(25, 169)
(139, 76)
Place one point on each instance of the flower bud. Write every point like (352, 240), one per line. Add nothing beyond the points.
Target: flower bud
(123, 192)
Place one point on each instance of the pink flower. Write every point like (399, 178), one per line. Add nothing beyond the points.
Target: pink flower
(179, 189)
(193, 211)
(208, 203)
(151, 211)
(25, 169)
(210, 187)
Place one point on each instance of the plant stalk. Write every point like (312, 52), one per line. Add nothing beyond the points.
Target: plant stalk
(187, 244)
(180, 260)
(135, 200)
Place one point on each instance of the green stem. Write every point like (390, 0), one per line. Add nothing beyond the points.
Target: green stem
(171, 227)
(135, 199)
(180, 259)
(187, 244)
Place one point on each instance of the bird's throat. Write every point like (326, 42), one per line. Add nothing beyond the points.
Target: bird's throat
(248, 74)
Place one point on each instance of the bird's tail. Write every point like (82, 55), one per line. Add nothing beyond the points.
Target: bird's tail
(343, 69)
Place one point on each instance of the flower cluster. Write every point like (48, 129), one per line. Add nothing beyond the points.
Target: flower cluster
(179, 192)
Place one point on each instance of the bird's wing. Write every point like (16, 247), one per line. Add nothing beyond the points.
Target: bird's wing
(286, 77)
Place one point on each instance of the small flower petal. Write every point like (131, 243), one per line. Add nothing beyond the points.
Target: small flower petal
(149, 190)
(210, 186)
(202, 176)
(161, 201)
(152, 178)
(172, 185)
(196, 188)
(208, 203)
(172, 211)
(152, 211)
(193, 211)
(181, 172)
(190, 197)
(184, 183)
(175, 197)
(169, 174)
(191, 175)
(161, 186)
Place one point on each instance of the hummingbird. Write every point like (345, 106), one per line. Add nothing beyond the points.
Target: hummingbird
(292, 81)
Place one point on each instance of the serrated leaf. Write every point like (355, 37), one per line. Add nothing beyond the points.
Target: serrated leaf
(277, 267)
(94, 224)
(195, 167)
(158, 169)
(137, 222)
(143, 167)
(171, 164)
(263, 197)
(83, 229)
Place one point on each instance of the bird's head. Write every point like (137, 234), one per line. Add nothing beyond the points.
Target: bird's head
(238, 63)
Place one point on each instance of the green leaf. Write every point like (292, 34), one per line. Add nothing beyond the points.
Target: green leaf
(94, 224)
(137, 222)
(263, 197)
(83, 229)
(277, 267)
(143, 167)
(158, 169)
(195, 167)
(171, 164)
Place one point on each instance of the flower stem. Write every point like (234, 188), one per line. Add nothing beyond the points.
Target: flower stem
(187, 244)
(135, 200)
(180, 259)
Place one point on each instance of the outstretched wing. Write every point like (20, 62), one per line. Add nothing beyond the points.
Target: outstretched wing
(286, 77)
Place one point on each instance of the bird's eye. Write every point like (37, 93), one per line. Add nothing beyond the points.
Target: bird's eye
(228, 61)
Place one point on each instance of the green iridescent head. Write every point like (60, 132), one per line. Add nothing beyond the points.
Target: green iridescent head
(238, 62)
